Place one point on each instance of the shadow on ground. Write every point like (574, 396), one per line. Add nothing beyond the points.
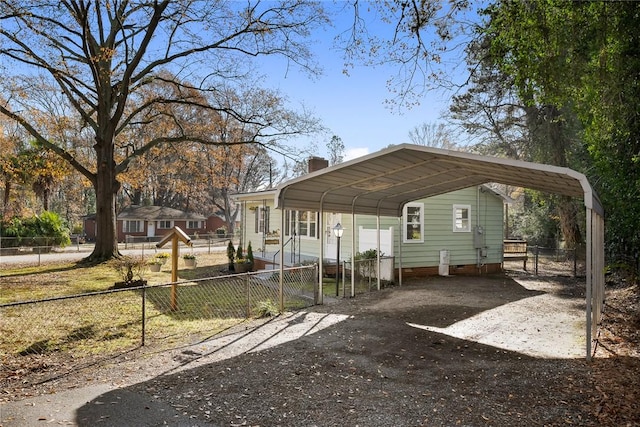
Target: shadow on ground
(362, 362)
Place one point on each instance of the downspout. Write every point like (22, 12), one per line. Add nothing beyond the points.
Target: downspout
(475, 231)
(400, 231)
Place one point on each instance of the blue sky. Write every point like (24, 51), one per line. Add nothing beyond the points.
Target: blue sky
(353, 107)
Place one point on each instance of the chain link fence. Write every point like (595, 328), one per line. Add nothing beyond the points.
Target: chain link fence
(543, 261)
(110, 322)
(365, 274)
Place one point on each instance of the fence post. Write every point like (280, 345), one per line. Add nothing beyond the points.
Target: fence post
(246, 277)
(344, 290)
(144, 312)
(536, 258)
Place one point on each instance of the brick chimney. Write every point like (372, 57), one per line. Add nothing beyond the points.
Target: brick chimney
(317, 163)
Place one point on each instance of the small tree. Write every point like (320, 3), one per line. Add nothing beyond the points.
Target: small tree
(239, 254)
(231, 254)
(250, 254)
(129, 268)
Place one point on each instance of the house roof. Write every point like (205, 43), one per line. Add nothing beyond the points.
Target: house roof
(158, 213)
(383, 182)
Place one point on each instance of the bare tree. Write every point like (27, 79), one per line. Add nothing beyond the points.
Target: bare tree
(335, 147)
(417, 38)
(436, 135)
(103, 55)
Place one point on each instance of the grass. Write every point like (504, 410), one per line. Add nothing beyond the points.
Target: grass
(102, 324)
(27, 283)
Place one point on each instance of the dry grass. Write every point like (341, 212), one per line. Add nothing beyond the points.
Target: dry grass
(27, 283)
(99, 324)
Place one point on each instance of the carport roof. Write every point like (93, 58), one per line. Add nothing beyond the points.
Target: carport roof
(383, 182)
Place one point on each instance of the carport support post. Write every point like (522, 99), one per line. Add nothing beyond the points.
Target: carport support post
(281, 261)
(589, 285)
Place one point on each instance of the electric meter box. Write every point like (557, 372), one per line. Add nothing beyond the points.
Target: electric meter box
(478, 237)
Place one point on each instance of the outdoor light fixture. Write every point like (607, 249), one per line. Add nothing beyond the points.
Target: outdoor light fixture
(337, 231)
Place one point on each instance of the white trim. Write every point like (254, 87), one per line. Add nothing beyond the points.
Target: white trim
(454, 212)
(417, 223)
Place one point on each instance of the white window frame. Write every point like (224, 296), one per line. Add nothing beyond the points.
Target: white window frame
(127, 223)
(293, 222)
(190, 223)
(163, 222)
(418, 222)
(460, 223)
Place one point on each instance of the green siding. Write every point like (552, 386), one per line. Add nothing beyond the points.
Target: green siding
(438, 230)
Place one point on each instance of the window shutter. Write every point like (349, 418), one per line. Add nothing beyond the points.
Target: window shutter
(266, 219)
(256, 214)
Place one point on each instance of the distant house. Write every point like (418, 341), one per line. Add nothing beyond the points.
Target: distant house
(150, 222)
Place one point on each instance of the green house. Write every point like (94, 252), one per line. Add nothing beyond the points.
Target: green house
(460, 232)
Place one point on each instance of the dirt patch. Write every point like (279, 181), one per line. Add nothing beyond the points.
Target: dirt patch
(388, 358)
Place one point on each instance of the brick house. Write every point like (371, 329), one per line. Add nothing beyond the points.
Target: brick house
(151, 222)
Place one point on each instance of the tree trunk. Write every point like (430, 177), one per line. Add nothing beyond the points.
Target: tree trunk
(106, 187)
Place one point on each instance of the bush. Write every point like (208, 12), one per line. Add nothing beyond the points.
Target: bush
(231, 252)
(368, 254)
(249, 254)
(129, 267)
(46, 229)
(267, 309)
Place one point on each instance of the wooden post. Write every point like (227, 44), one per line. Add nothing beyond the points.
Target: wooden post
(175, 236)
(174, 272)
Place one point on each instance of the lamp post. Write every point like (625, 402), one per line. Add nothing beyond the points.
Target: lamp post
(337, 231)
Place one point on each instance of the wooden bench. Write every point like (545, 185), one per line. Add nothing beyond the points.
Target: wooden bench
(515, 250)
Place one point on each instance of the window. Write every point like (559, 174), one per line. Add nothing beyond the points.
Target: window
(461, 218)
(132, 226)
(303, 223)
(262, 220)
(413, 222)
(165, 224)
(194, 224)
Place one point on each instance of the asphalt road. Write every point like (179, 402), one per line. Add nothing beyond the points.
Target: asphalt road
(77, 252)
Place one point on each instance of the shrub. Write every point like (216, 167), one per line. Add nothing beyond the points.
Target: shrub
(368, 254)
(267, 309)
(249, 254)
(129, 267)
(44, 229)
(231, 252)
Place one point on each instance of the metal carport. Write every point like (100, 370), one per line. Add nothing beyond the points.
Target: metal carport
(383, 182)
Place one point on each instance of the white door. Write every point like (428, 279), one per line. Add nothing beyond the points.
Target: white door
(330, 240)
(151, 228)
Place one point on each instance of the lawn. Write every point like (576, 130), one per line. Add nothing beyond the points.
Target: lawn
(108, 320)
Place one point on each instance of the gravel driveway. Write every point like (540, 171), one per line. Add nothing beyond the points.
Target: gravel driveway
(439, 351)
